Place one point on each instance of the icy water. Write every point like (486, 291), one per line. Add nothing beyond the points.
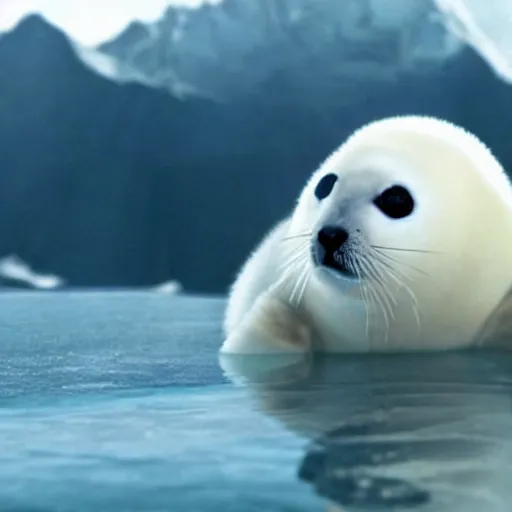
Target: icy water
(118, 402)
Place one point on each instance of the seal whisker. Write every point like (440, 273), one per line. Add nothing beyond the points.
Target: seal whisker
(415, 307)
(303, 274)
(403, 249)
(286, 273)
(398, 262)
(300, 244)
(293, 272)
(294, 237)
(304, 285)
(297, 254)
(390, 272)
(373, 292)
(391, 263)
(293, 261)
(388, 264)
(291, 264)
(294, 264)
(298, 263)
(373, 275)
(380, 294)
(364, 296)
(396, 274)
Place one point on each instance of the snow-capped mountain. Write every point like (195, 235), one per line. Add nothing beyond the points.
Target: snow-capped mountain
(229, 49)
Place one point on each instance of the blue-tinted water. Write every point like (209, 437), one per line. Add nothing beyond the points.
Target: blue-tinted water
(117, 402)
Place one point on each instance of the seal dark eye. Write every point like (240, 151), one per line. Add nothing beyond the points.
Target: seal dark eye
(395, 202)
(325, 186)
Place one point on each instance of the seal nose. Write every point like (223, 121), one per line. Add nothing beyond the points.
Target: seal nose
(332, 238)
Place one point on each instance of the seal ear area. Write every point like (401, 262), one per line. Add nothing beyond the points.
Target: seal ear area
(497, 329)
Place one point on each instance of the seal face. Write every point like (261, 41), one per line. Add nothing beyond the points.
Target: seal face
(334, 247)
(379, 252)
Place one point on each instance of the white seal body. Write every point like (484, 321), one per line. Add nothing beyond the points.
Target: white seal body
(401, 240)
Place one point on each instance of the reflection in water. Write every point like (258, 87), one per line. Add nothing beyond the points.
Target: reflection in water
(429, 432)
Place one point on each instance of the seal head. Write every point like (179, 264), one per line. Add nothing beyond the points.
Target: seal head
(401, 240)
(400, 218)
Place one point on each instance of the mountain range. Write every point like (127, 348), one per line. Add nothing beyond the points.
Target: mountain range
(121, 183)
(301, 47)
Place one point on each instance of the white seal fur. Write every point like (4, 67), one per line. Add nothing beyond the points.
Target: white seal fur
(436, 277)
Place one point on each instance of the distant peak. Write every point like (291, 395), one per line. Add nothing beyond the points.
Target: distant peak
(136, 27)
(134, 32)
(36, 35)
(34, 21)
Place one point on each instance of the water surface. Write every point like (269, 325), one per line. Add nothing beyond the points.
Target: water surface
(117, 402)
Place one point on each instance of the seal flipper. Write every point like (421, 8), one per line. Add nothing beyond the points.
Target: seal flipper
(270, 327)
(497, 329)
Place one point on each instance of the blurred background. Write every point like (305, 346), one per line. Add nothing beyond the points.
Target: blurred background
(151, 143)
